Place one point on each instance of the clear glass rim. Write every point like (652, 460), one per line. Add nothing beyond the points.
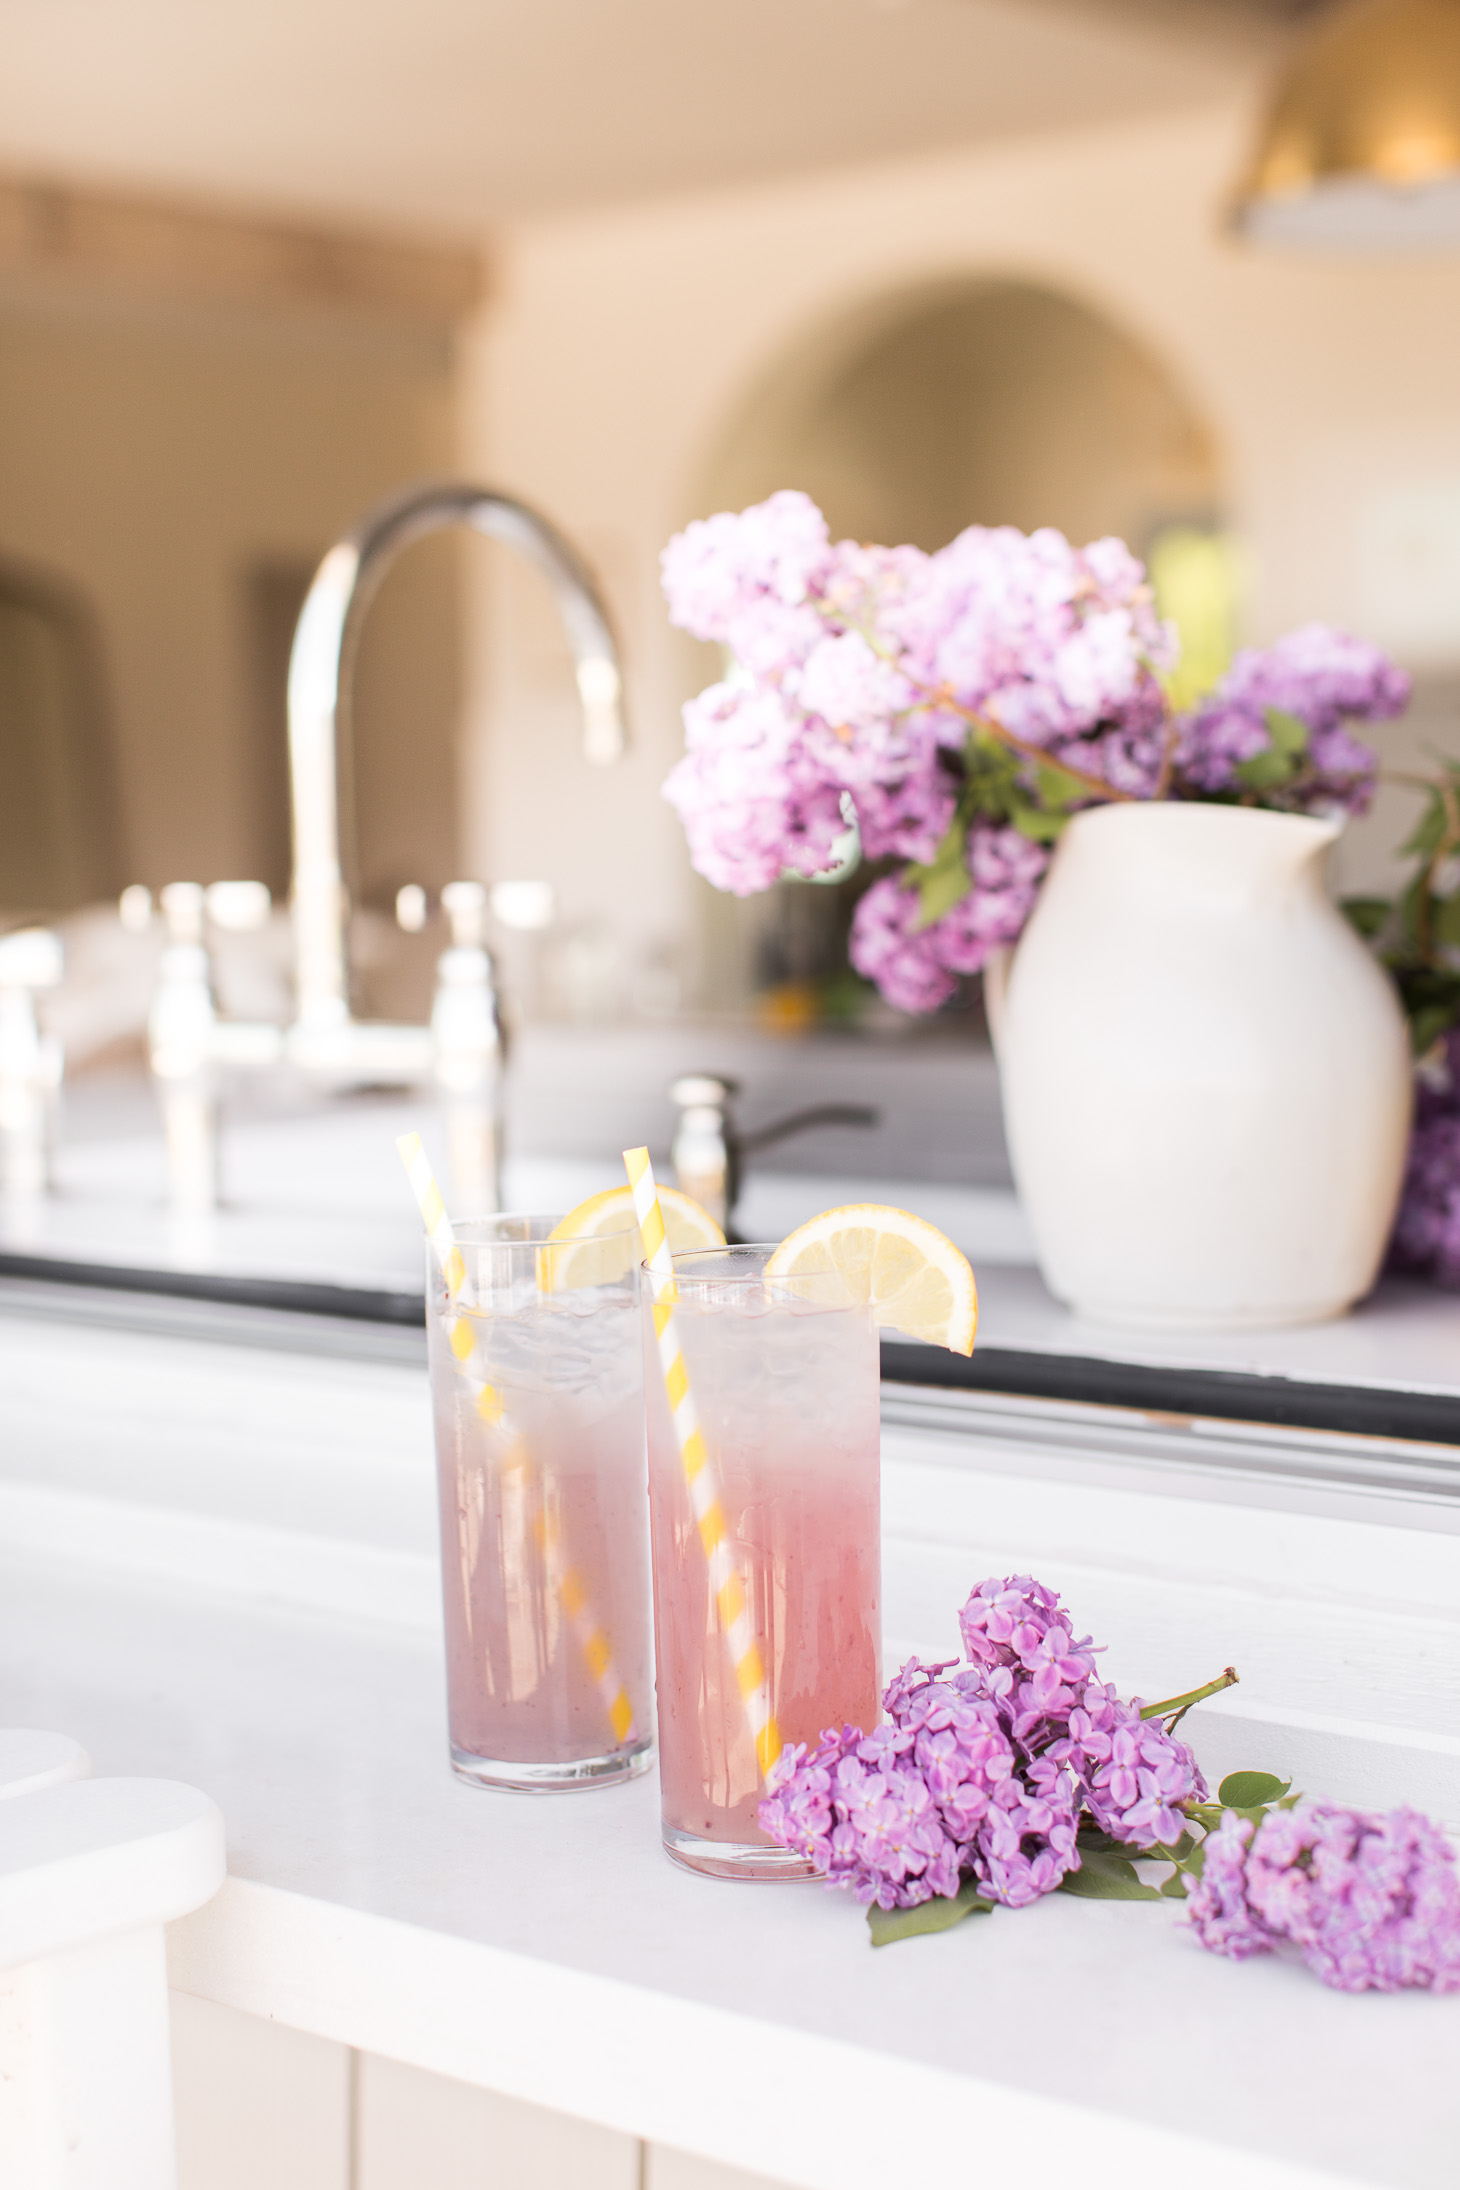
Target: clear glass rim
(694, 1265)
(712, 1273)
(523, 1232)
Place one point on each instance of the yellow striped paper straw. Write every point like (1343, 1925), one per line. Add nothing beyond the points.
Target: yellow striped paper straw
(461, 1337)
(459, 1329)
(732, 1598)
(591, 1639)
(433, 1212)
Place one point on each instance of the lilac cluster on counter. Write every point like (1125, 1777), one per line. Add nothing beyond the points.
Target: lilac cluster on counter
(985, 1774)
(988, 1775)
(859, 674)
(1372, 1900)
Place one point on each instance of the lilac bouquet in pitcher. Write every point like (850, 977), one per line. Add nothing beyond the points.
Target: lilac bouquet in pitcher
(948, 713)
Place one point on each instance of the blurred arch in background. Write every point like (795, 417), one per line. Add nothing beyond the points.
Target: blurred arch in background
(60, 827)
(986, 400)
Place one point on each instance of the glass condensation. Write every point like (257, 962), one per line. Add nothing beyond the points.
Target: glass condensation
(544, 1521)
(785, 1385)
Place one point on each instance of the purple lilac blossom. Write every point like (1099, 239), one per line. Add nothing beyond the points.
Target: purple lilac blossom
(1133, 1775)
(984, 1773)
(887, 947)
(1217, 1908)
(745, 580)
(1372, 1899)
(903, 1813)
(1327, 680)
(915, 967)
(1047, 639)
(1427, 1229)
(906, 820)
(751, 803)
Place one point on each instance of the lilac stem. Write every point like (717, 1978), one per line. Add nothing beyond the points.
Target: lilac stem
(1180, 1705)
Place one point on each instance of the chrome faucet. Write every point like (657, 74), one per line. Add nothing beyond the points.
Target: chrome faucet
(324, 1036)
(460, 1050)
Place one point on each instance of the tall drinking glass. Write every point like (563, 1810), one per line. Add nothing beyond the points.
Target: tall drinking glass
(537, 1385)
(784, 1380)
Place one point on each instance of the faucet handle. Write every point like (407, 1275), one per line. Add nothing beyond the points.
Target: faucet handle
(30, 958)
(465, 906)
(134, 908)
(238, 906)
(702, 1091)
(526, 906)
(705, 1156)
(184, 907)
(412, 908)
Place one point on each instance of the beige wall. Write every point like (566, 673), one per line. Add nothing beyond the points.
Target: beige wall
(622, 346)
(153, 454)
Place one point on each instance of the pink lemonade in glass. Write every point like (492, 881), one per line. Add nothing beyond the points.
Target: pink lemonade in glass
(544, 1521)
(785, 1386)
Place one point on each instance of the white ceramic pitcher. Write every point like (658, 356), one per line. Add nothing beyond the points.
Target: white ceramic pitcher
(1206, 1077)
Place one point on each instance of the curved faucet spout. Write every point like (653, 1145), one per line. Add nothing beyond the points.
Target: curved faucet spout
(320, 669)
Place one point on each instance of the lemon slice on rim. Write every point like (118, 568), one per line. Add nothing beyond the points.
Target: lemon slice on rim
(917, 1281)
(596, 1242)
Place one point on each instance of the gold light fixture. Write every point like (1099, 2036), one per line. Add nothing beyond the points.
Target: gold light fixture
(1361, 148)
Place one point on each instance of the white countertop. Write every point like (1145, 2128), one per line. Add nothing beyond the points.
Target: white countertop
(1405, 1336)
(217, 1565)
(325, 1747)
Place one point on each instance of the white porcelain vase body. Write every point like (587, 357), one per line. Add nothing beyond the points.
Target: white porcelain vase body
(1206, 1077)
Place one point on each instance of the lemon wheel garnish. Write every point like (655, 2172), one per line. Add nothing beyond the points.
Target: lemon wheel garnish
(596, 1242)
(916, 1280)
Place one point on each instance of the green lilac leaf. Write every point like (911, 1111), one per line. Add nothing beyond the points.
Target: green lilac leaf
(1367, 914)
(1040, 827)
(1267, 771)
(1428, 833)
(939, 1914)
(1174, 1888)
(1412, 906)
(1102, 1843)
(939, 890)
(1429, 988)
(944, 880)
(1057, 787)
(1289, 733)
(981, 749)
(1249, 1790)
(1103, 1877)
(1445, 919)
(1426, 1026)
